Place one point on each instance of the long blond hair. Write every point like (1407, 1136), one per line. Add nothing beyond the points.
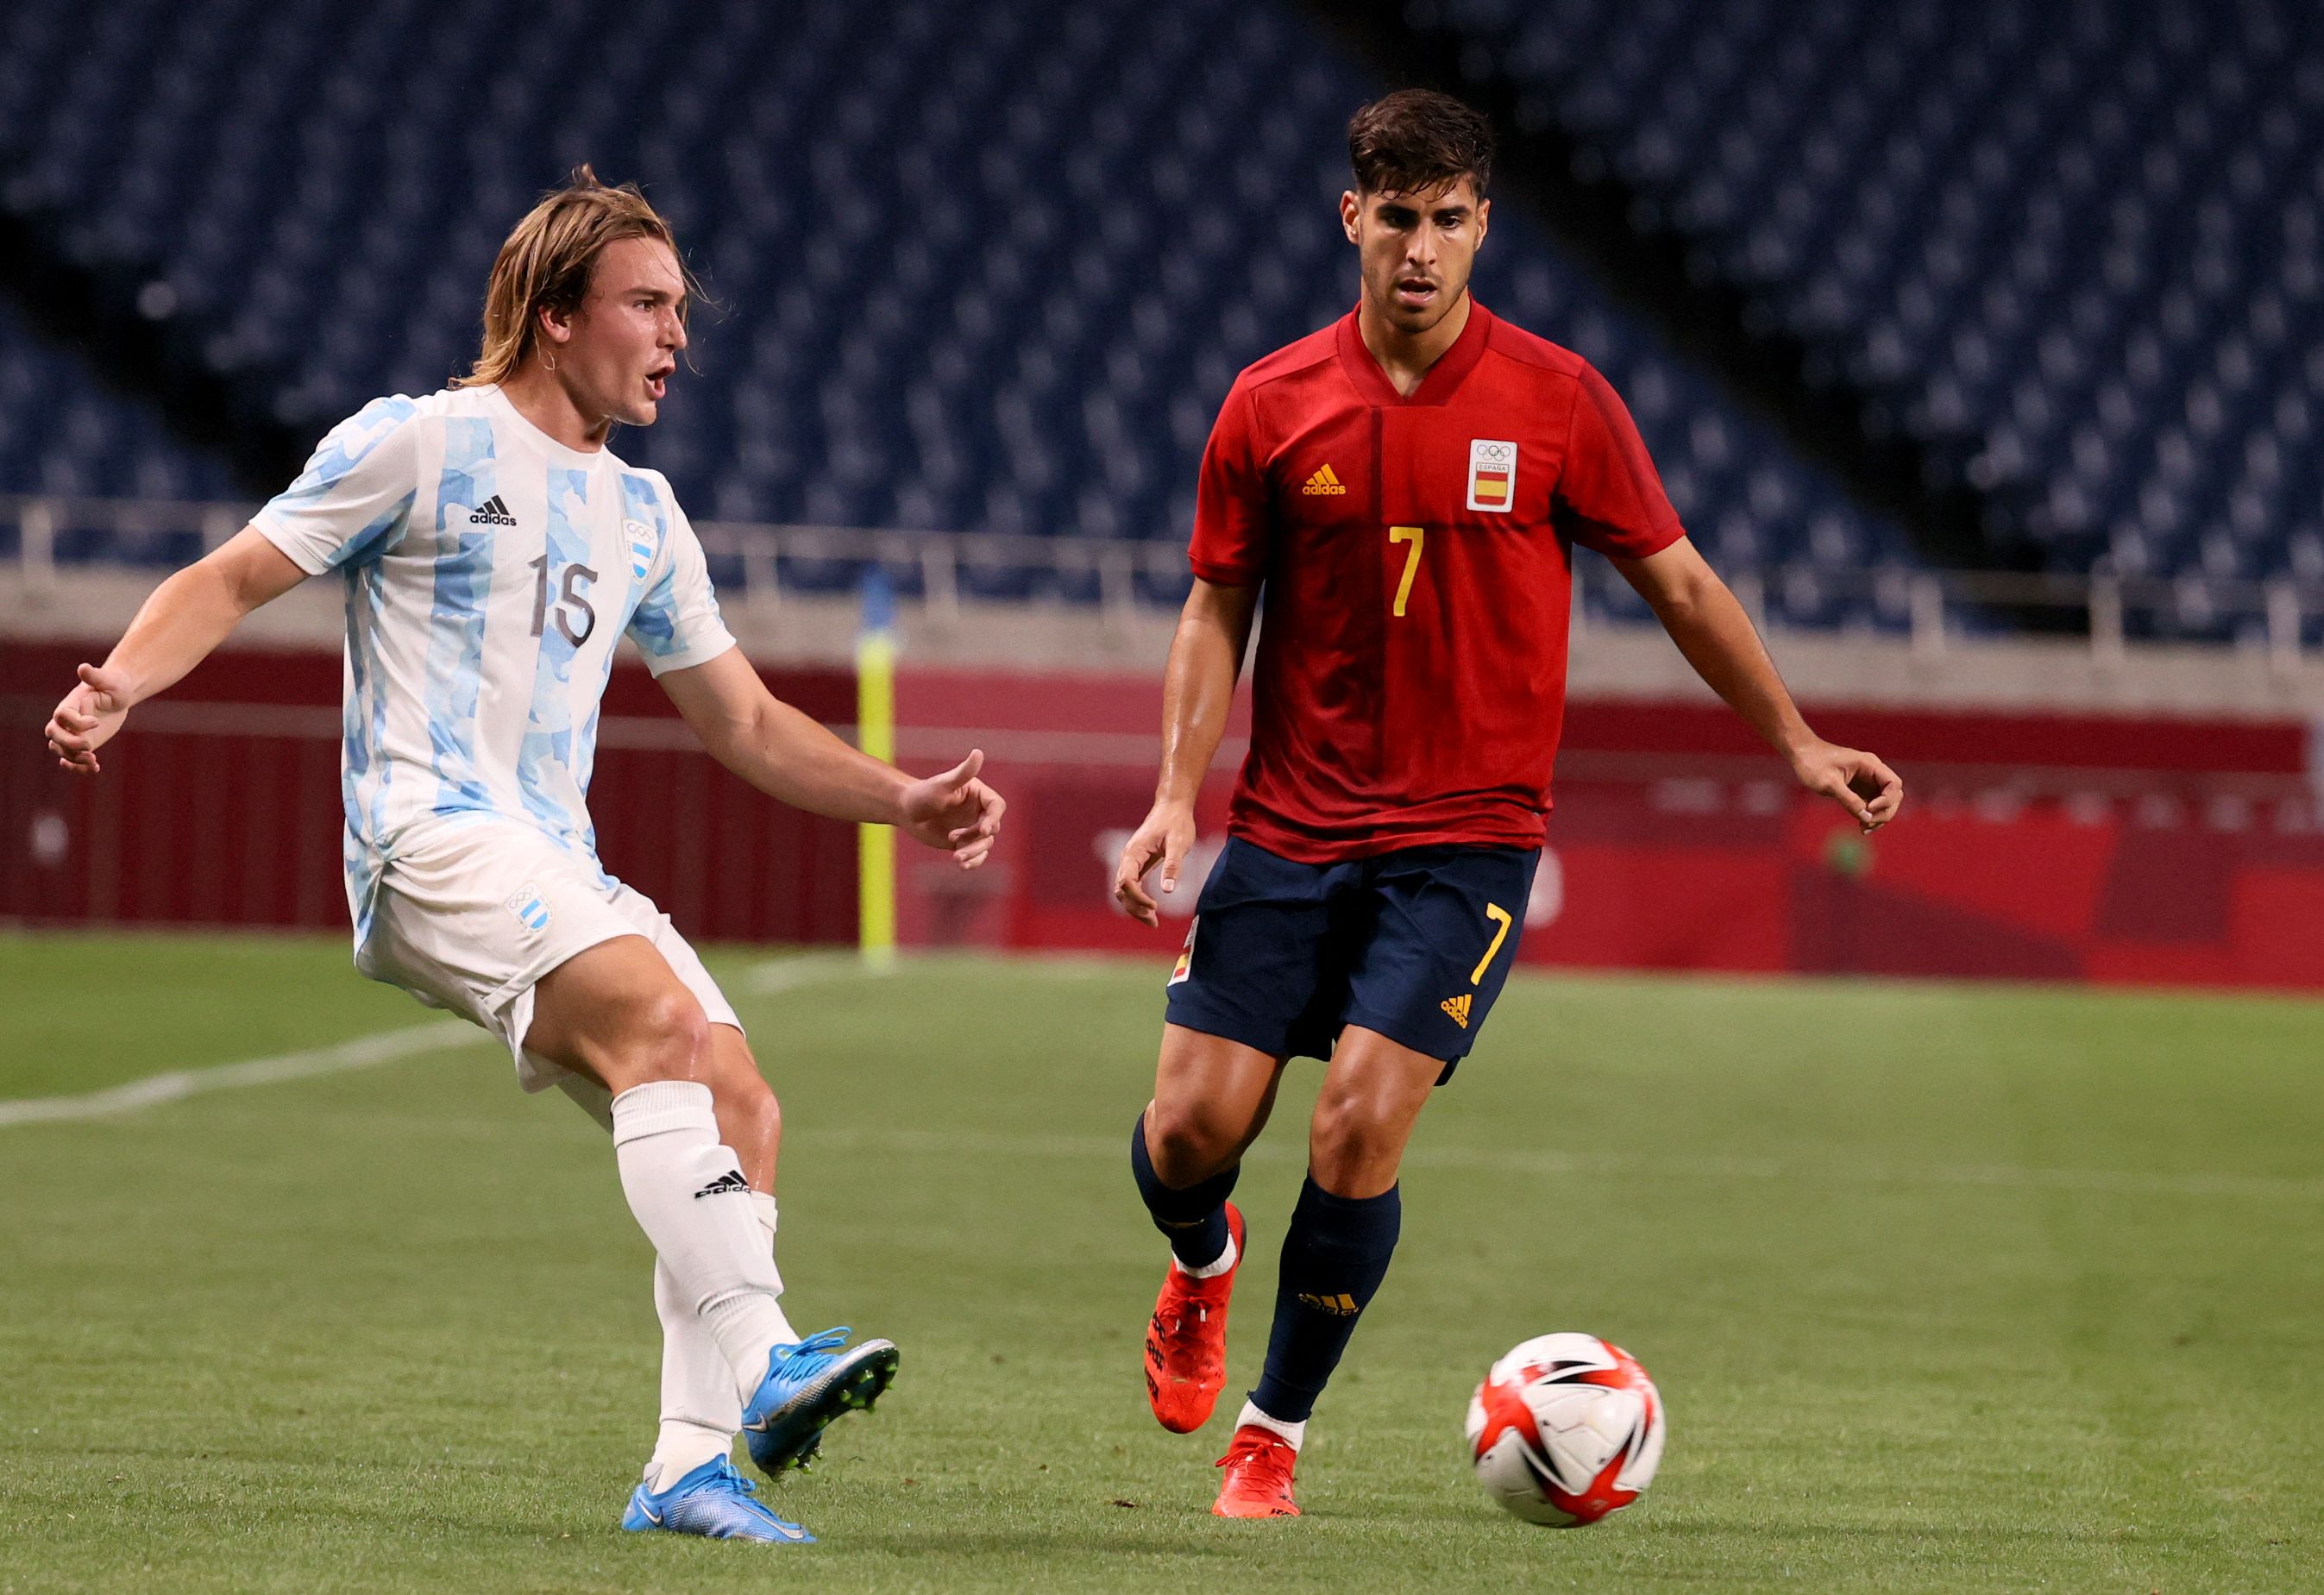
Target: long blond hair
(546, 261)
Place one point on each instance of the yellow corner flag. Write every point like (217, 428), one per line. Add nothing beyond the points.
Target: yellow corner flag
(875, 733)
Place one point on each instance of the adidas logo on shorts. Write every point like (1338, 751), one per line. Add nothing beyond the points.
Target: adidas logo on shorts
(491, 512)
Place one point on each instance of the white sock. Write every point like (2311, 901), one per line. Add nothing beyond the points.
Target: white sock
(700, 1411)
(682, 1447)
(762, 1208)
(1215, 1266)
(683, 1187)
(1252, 1417)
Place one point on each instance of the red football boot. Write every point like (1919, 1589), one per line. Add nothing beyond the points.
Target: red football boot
(1186, 1342)
(1258, 1464)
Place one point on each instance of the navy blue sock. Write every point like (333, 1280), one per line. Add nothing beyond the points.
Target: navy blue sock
(1195, 1218)
(1334, 1256)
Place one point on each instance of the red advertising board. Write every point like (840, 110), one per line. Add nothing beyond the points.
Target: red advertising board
(2045, 846)
(2035, 846)
(219, 805)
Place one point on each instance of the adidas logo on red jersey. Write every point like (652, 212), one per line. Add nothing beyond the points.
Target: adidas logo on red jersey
(1324, 482)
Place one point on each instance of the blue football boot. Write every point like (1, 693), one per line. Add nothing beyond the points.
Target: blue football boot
(806, 1386)
(714, 1501)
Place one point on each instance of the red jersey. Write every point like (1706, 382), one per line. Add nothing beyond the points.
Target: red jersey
(1417, 556)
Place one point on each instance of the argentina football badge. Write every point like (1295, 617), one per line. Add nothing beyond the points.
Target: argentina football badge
(530, 908)
(1185, 965)
(1492, 473)
(641, 540)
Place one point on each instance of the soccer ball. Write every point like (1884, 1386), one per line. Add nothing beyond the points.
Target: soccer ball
(1566, 1429)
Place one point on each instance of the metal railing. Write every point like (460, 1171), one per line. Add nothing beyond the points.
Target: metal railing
(944, 570)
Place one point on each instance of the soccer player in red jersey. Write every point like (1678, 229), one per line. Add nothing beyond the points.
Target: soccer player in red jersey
(1407, 486)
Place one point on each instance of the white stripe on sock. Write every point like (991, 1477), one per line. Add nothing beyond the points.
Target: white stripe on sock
(1250, 1418)
(1215, 1266)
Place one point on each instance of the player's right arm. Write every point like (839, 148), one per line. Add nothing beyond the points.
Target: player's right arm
(185, 618)
(1233, 528)
(1234, 522)
(1198, 688)
(352, 503)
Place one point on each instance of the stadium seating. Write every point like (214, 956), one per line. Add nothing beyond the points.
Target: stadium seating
(64, 436)
(981, 268)
(2082, 242)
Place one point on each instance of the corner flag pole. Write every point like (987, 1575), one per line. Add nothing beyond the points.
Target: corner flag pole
(875, 733)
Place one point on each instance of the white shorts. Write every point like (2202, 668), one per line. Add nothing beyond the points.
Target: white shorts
(471, 914)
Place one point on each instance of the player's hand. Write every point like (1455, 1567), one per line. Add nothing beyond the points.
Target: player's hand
(88, 717)
(1857, 781)
(1166, 837)
(956, 812)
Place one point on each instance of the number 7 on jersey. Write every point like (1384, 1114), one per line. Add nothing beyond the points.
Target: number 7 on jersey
(1417, 536)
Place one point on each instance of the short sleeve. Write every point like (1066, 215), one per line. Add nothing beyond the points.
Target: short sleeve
(1609, 497)
(676, 625)
(353, 501)
(1233, 514)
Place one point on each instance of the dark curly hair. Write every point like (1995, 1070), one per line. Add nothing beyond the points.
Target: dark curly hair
(1415, 140)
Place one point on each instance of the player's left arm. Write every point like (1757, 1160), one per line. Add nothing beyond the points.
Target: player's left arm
(1718, 639)
(791, 758)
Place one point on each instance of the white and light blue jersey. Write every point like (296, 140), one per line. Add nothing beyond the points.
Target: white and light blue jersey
(489, 571)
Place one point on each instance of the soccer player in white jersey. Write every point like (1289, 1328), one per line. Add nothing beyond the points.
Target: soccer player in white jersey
(493, 548)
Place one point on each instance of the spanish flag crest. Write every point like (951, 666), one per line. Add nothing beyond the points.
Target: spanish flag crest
(1185, 965)
(1492, 473)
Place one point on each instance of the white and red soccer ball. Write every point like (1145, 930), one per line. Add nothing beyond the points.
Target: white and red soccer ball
(1566, 1429)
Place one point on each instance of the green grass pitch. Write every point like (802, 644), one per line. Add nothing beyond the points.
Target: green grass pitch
(1946, 1289)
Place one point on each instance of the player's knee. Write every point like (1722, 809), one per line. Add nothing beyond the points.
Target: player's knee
(1191, 1141)
(667, 1036)
(1349, 1142)
(745, 1092)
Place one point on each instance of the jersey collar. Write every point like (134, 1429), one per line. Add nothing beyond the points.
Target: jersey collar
(558, 453)
(1437, 384)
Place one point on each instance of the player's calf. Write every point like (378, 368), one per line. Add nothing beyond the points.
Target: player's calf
(1185, 1337)
(1191, 1212)
(1335, 1254)
(619, 1014)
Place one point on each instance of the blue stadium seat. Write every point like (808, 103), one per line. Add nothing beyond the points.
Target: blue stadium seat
(2086, 237)
(64, 435)
(977, 268)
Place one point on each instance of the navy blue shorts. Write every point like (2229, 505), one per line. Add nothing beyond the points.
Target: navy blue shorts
(1414, 944)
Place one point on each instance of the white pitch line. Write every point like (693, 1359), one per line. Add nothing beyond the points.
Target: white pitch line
(1548, 1163)
(364, 1052)
(786, 974)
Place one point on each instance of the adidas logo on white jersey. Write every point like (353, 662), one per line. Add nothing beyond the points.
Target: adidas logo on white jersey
(491, 512)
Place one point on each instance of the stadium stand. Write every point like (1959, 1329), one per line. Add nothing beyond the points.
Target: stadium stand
(980, 267)
(62, 434)
(67, 438)
(2078, 247)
